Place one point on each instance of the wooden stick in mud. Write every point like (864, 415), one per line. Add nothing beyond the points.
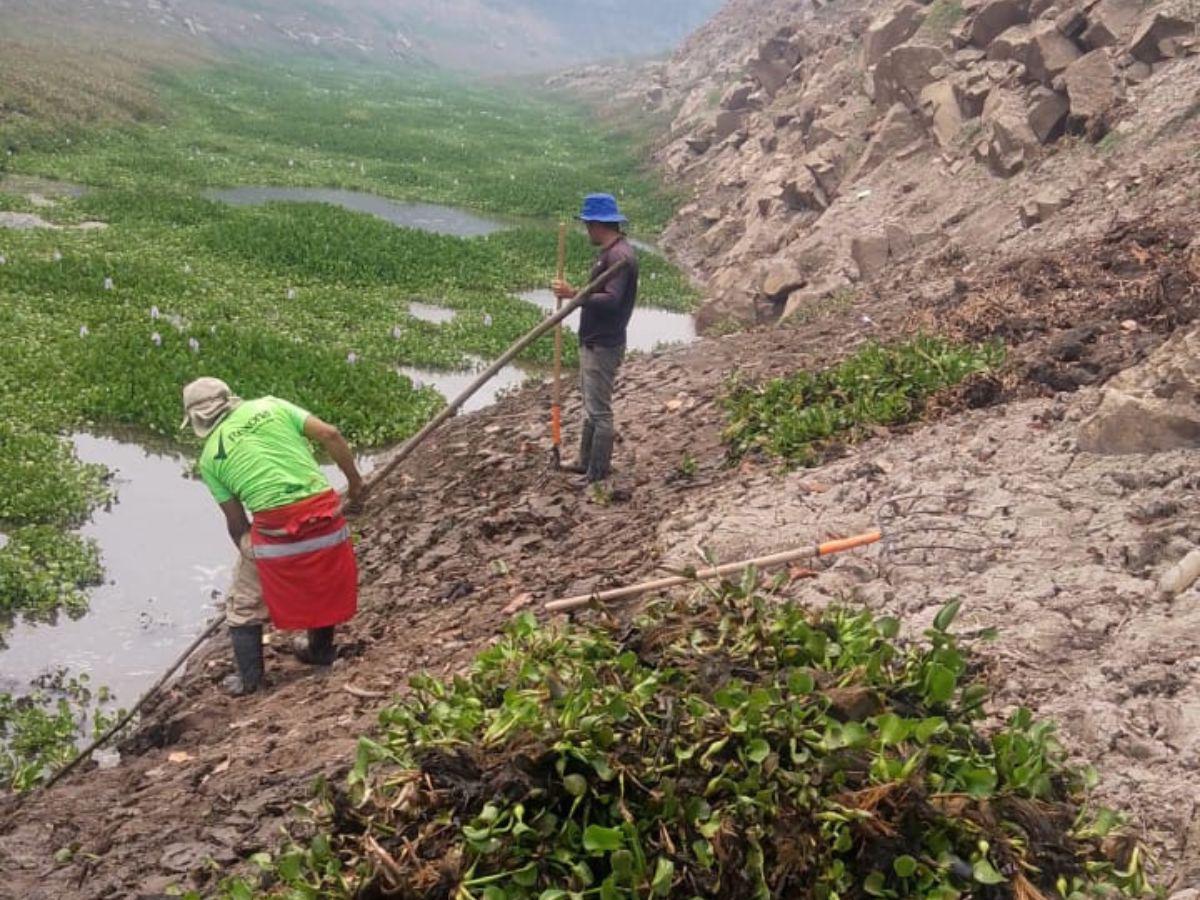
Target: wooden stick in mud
(762, 562)
(490, 372)
(137, 707)
(556, 397)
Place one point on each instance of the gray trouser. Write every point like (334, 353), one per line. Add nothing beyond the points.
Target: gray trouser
(245, 605)
(598, 368)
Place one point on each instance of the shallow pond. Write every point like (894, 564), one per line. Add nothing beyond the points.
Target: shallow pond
(167, 559)
(648, 328)
(421, 216)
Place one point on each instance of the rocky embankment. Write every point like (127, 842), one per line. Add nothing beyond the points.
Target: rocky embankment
(834, 145)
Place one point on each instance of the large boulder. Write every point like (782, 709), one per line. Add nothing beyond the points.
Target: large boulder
(948, 103)
(994, 18)
(1152, 407)
(1047, 114)
(738, 97)
(1111, 22)
(729, 121)
(897, 130)
(1091, 85)
(1147, 44)
(1013, 43)
(873, 250)
(1050, 53)
(1006, 114)
(903, 72)
(891, 30)
(776, 60)
(780, 277)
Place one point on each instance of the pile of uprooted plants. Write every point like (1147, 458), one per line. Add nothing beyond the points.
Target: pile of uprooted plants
(730, 745)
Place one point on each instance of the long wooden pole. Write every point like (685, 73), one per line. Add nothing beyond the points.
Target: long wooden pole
(137, 707)
(556, 401)
(762, 562)
(490, 372)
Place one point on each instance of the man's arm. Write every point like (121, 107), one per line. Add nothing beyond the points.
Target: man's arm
(236, 520)
(335, 445)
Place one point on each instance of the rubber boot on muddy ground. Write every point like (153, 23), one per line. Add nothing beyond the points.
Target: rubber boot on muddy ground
(600, 465)
(248, 654)
(586, 439)
(319, 651)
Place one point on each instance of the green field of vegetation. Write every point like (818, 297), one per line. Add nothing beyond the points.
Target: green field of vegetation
(103, 326)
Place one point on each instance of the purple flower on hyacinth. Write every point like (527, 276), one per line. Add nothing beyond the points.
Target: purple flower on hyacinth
(83, 331)
(156, 339)
(108, 284)
(193, 345)
(154, 313)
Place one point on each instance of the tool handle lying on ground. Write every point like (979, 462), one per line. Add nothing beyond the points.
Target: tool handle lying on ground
(137, 707)
(762, 562)
(490, 372)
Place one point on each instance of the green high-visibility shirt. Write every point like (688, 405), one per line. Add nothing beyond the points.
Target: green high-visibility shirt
(259, 454)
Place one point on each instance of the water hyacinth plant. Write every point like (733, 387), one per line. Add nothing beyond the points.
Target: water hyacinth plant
(732, 745)
(792, 418)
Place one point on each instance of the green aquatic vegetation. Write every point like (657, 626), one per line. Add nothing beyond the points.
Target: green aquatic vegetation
(43, 569)
(40, 731)
(45, 482)
(793, 417)
(728, 745)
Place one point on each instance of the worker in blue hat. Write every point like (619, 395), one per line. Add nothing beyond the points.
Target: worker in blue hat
(602, 327)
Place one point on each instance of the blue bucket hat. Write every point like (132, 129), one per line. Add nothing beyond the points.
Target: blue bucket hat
(601, 208)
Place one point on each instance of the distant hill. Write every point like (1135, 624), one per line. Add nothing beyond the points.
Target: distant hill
(480, 36)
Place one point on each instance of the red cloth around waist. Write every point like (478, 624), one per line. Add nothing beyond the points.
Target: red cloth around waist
(306, 588)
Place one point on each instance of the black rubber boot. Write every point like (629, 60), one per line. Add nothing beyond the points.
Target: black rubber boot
(320, 650)
(586, 438)
(248, 654)
(600, 466)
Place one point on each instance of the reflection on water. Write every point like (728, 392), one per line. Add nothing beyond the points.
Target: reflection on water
(167, 559)
(451, 384)
(648, 328)
(421, 216)
(166, 555)
(428, 312)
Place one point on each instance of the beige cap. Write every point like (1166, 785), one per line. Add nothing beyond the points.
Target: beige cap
(206, 401)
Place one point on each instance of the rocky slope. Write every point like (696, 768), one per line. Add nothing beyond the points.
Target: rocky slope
(831, 145)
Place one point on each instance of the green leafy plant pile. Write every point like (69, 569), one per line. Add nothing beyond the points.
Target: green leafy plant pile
(793, 417)
(730, 746)
(40, 731)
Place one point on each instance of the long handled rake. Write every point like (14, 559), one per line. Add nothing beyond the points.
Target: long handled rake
(556, 401)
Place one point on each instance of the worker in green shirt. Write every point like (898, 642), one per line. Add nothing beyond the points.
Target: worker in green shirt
(297, 563)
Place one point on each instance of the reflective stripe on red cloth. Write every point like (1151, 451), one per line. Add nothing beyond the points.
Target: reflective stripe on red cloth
(306, 563)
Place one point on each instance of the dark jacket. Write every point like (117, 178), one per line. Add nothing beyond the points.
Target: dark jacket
(607, 312)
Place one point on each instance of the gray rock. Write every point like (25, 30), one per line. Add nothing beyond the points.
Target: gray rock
(903, 72)
(1091, 86)
(891, 30)
(1111, 22)
(994, 18)
(1157, 28)
(1047, 114)
(1152, 407)
(897, 130)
